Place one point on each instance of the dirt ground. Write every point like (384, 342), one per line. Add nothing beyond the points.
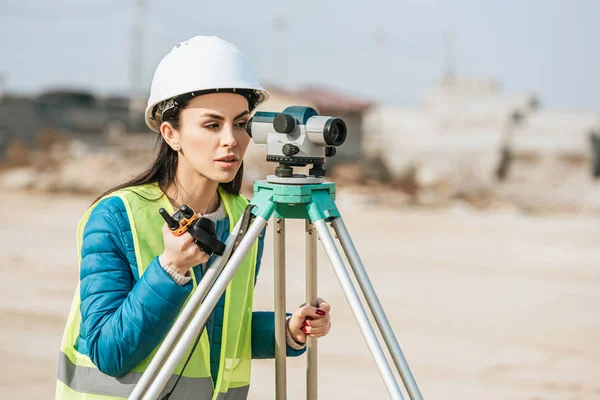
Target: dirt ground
(486, 305)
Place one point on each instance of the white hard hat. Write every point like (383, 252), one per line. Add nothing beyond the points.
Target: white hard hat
(202, 63)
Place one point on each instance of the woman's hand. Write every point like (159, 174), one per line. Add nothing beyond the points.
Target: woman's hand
(310, 321)
(181, 253)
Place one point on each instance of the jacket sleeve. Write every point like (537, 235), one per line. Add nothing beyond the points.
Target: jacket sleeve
(122, 320)
(263, 323)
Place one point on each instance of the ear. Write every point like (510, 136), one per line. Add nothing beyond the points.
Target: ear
(171, 135)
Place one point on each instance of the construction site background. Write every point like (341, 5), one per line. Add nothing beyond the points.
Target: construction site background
(467, 143)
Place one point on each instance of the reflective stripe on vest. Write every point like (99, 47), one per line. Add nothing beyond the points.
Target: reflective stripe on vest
(240, 393)
(91, 380)
(78, 377)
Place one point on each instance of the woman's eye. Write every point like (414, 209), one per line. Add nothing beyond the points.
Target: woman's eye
(211, 126)
(241, 124)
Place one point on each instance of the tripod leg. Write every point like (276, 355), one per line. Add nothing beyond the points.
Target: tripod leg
(204, 311)
(280, 334)
(358, 310)
(185, 316)
(311, 298)
(376, 308)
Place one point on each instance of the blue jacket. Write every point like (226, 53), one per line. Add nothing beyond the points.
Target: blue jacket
(124, 317)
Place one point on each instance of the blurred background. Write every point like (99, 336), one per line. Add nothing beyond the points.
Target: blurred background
(470, 179)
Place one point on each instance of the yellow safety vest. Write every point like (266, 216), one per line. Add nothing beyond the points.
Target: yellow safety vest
(78, 377)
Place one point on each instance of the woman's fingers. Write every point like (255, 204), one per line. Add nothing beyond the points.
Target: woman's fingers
(317, 332)
(318, 327)
(312, 321)
(317, 323)
(181, 252)
(310, 311)
(323, 305)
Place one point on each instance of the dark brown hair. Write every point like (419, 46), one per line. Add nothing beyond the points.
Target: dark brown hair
(164, 166)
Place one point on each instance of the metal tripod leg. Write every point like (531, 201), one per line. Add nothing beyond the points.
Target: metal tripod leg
(185, 316)
(203, 313)
(280, 334)
(280, 307)
(358, 310)
(376, 308)
(311, 298)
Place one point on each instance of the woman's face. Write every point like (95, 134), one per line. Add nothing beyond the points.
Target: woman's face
(212, 135)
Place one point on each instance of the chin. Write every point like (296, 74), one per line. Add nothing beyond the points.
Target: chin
(222, 177)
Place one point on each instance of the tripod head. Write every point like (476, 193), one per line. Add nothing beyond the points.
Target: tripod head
(297, 137)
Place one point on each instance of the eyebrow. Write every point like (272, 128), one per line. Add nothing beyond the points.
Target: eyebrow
(221, 118)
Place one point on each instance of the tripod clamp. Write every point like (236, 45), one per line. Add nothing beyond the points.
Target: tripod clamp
(247, 218)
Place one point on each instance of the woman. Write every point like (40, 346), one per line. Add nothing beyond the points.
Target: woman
(135, 275)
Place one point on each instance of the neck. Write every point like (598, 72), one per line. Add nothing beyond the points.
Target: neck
(195, 191)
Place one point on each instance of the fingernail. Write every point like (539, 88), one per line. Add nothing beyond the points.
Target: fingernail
(303, 329)
(305, 323)
(320, 312)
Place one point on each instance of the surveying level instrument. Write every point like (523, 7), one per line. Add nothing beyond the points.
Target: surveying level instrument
(286, 196)
(297, 137)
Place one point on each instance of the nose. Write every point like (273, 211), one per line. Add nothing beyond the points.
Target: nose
(228, 136)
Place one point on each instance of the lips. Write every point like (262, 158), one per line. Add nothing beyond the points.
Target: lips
(228, 158)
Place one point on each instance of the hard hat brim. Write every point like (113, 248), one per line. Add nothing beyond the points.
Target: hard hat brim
(154, 124)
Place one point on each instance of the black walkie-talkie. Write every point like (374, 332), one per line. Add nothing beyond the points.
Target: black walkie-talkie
(202, 229)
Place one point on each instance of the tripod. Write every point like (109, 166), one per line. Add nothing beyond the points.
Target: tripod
(297, 197)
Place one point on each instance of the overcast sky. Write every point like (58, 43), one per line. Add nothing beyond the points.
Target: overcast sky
(550, 48)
